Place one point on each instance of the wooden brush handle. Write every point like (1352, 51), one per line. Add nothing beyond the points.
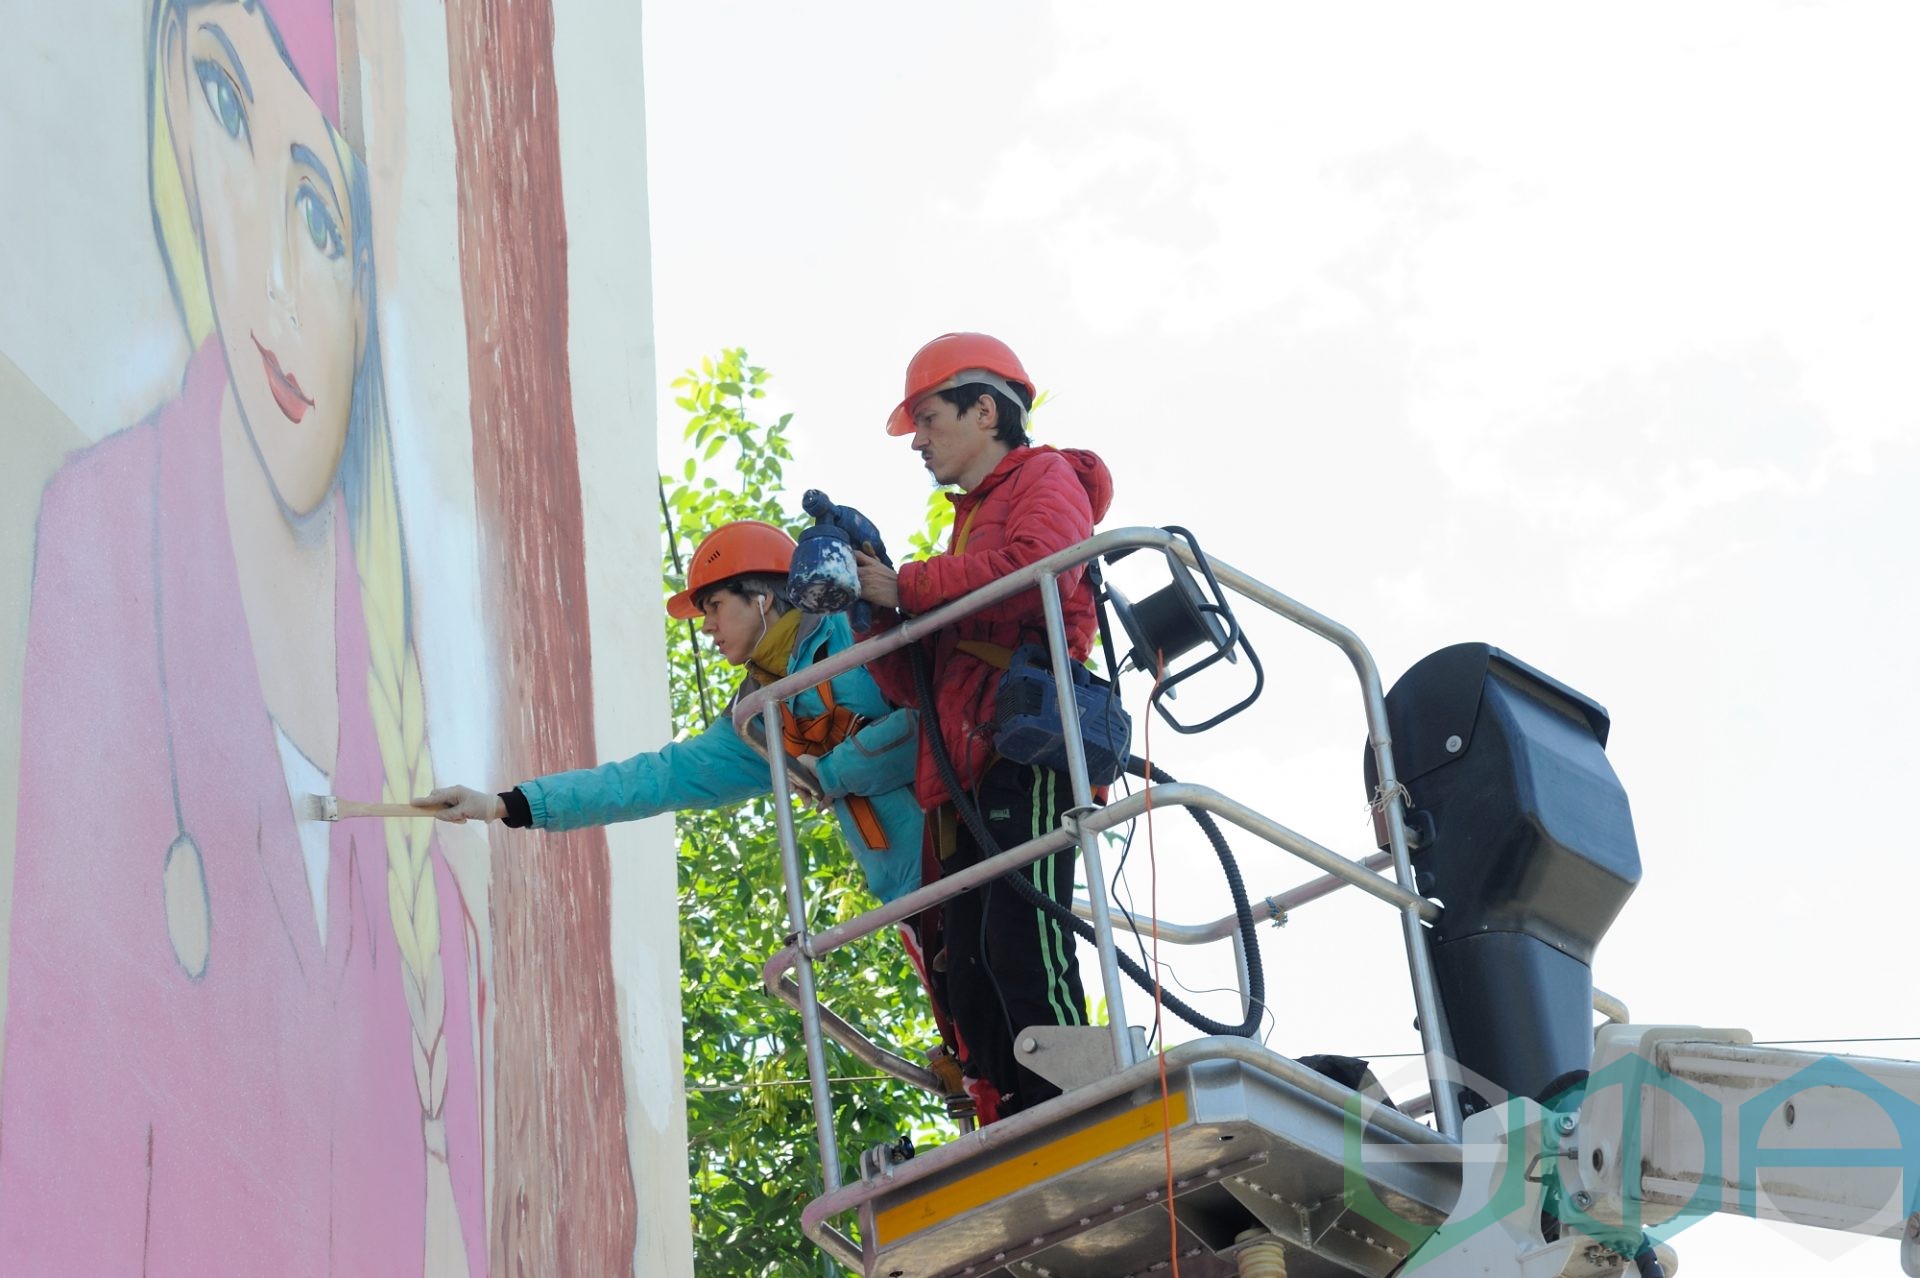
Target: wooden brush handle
(350, 808)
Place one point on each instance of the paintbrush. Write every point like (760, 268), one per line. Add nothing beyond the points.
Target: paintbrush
(327, 807)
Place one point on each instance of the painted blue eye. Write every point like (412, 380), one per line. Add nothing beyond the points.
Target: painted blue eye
(223, 97)
(320, 224)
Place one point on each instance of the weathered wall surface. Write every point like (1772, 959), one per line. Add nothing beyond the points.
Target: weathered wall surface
(326, 374)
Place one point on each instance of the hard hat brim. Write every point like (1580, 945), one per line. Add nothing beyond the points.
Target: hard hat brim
(681, 606)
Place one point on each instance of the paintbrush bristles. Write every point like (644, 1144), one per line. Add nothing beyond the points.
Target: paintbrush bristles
(315, 807)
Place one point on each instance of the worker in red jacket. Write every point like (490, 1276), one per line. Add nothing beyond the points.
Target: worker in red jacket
(1006, 965)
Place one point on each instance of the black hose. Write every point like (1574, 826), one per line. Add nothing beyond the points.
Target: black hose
(1647, 1261)
(1256, 974)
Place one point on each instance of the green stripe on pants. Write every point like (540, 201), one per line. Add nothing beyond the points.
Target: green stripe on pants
(1054, 984)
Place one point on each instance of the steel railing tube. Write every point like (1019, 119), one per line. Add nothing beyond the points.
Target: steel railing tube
(1278, 906)
(796, 881)
(1241, 973)
(829, 939)
(1435, 1041)
(1083, 807)
(863, 1048)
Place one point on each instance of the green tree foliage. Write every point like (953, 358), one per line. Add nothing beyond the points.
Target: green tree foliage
(753, 1154)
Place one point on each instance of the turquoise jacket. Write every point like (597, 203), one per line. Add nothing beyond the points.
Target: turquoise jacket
(716, 769)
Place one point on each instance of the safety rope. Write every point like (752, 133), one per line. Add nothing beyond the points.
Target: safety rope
(1153, 908)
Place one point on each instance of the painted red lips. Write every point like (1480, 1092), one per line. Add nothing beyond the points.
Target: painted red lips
(286, 388)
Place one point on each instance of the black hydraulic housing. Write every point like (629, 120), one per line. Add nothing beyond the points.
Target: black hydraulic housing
(1524, 836)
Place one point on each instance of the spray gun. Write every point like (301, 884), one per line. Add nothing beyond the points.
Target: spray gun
(824, 576)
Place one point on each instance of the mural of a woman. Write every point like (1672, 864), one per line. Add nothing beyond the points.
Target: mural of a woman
(237, 1042)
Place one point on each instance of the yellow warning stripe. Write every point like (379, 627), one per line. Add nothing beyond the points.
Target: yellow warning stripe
(1030, 1168)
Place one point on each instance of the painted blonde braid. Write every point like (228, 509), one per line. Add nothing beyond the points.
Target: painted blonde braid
(399, 722)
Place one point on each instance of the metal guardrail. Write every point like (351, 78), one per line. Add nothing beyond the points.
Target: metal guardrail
(1342, 872)
(1084, 821)
(1279, 906)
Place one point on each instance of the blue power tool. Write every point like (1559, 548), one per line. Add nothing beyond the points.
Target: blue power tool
(824, 576)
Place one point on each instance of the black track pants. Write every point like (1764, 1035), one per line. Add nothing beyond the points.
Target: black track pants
(1008, 964)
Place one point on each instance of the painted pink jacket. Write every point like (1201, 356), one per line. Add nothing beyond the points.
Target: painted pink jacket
(262, 1118)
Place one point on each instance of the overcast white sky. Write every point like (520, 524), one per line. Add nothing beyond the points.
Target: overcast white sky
(1588, 331)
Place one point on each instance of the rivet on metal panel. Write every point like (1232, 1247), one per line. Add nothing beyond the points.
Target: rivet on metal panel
(1583, 1200)
(1566, 1123)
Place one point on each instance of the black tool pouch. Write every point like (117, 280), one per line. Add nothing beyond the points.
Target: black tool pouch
(1028, 727)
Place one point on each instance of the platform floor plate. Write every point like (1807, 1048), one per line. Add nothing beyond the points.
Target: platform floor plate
(1087, 1197)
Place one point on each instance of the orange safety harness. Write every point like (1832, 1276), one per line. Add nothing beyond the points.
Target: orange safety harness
(814, 735)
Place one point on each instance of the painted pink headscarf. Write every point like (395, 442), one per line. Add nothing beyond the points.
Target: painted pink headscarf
(306, 30)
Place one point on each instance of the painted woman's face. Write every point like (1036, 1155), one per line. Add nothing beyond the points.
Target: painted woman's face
(271, 199)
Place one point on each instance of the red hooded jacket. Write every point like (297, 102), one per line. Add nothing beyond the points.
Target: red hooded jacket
(1035, 502)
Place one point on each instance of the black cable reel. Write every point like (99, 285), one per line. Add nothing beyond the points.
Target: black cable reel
(1174, 621)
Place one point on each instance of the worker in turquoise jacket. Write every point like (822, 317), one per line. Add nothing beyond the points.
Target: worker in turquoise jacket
(848, 745)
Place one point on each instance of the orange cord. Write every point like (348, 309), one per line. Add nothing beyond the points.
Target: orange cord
(1153, 909)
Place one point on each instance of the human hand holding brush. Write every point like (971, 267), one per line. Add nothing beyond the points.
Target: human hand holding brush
(458, 804)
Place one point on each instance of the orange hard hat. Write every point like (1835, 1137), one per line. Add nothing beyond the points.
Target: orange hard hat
(957, 359)
(744, 546)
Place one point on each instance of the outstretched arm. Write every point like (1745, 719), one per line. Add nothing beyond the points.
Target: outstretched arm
(711, 770)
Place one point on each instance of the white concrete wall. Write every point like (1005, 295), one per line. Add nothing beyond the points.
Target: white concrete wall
(610, 337)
